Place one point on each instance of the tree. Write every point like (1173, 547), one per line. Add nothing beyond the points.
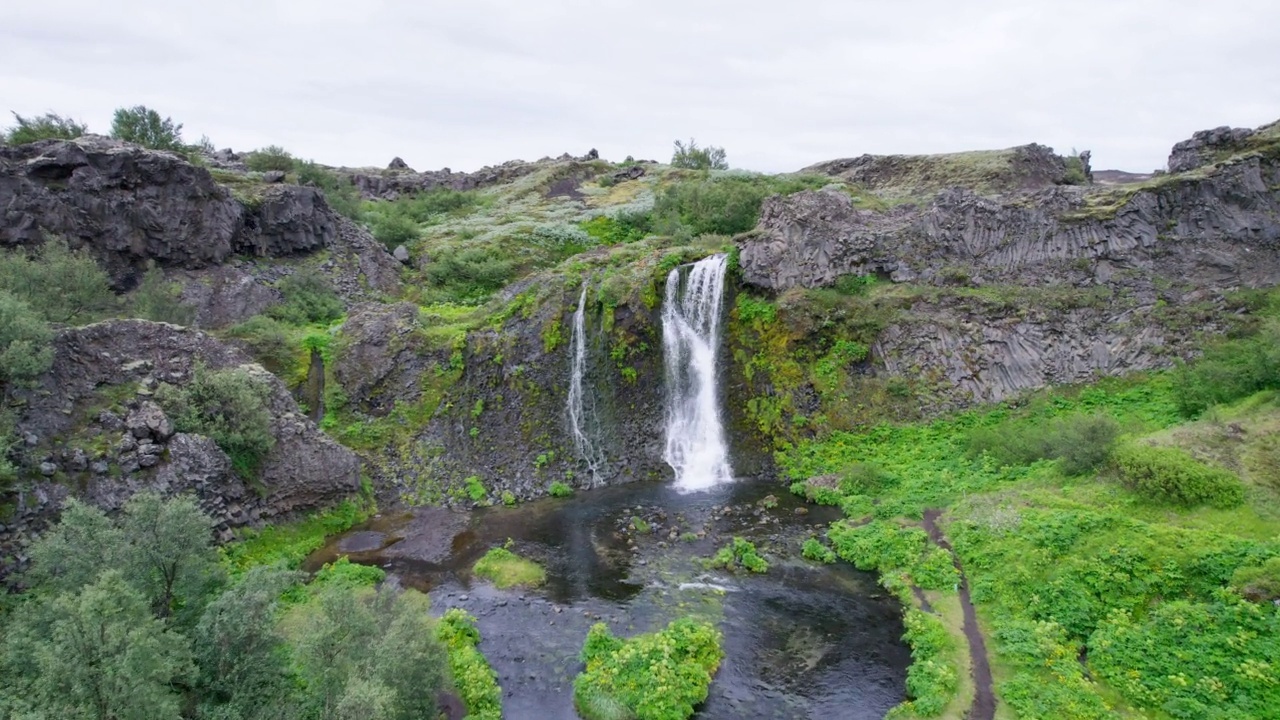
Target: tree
(74, 552)
(97, 653)
(61, 284)
(161, 301)
(228, 406)
(170, 558)
(25, 350)
(142, 126)
(692, 157)
(44, 127)
(239, 655)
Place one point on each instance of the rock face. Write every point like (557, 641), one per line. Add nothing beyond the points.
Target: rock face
(106, 455)
(382, 356)
(1027, 167)
(1200, 148)
(398, 179)
(130, 205)
(1053, 286)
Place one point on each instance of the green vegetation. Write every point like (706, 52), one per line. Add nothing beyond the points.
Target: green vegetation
(288, 545)
(722, 204)
(475, 681)
(230, 407)
(272, 157)
(308, 299)
(661, 675)
(161, 301)
(560, 489)
(476, 489)
(61, 284)
(739, 554)
(25, 344)
(134, 618)
(49, 126)
(932, 678)
(1081, 442)
(505, 569)
(1236, 368)
(814, 550)
(143, 126)
(1167, 474)
(692, 157)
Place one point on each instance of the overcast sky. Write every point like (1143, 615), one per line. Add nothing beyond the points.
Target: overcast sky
(778, 84)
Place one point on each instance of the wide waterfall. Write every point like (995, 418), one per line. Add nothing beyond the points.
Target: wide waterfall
(581, 407)
(696, 447)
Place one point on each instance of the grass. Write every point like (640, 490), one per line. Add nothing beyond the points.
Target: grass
(475, 680)
(505, 569)
(290, 544)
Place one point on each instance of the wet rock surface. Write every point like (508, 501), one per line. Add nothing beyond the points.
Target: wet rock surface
(801, 640)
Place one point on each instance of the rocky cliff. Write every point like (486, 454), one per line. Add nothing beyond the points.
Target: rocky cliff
(1056, 285)
(90, 427)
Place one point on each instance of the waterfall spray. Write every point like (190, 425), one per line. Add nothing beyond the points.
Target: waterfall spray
(695, 447)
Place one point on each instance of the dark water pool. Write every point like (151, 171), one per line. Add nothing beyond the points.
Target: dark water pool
(801, 641)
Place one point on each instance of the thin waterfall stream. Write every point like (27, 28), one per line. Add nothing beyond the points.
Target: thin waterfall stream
(580, 405)
(695, 443)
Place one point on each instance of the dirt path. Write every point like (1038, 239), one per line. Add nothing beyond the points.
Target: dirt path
(984, 697)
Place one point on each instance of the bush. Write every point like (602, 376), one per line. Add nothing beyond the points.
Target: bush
(471, 273)
(560, 489)
(228, 406)
(474, 680)
(308, 299)
(61, 284)
(1231, 370)
(475, 489)
(393, 230)
(619, 228)
(425, 206)
(655, 676)
(142, 126)
(816, 551)
(1171, 475)
(722, 205)
(1259, 583)
(268, 340)
(932, 678)
(49, 126)
(161, 301)
(739, 554)
(693, 157)
(506, 569)
(26, 349)
(1081, 442)
(271, 157)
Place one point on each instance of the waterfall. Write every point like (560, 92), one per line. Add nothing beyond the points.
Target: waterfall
(581, 408)
(696, 448)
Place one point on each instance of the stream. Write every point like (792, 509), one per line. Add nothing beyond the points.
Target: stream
(801, 641)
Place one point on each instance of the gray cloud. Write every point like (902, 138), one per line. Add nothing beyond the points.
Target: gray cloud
(779, 85)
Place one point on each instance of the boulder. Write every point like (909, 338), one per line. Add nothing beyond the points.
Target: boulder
(1201, 147)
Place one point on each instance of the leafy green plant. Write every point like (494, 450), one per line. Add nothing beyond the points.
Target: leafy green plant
(308, 299)
(692, 157)
(50, 126)
(560, 489)
(739, 553)
(61, 284)
(393, 230)
(508, 498)
(476, 489)
(814, 550)
(1258, 583)
(662, 675)
(474, 679)
(26, 348)
(932, 678)
(143, 126)
(272, 157)
(1171, 475)
(1081, 442)
(506, 569)
(229, 406)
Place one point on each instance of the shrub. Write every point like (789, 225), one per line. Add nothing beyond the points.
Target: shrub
(475, 489)
(739, 554)
(228, 406)
(1259, 583)
(656, 676)
(471, 273)
(1231, 370)
(339, 191)
(143, 126)
(1081, 442)
(425, 206)
(1171, 475)
(49, 126)
(268, 340)
(271, 157)
(506, 569)
(474, 680)
(722, 205)
(26, 349)
(308, 299)
(620, 228)
(560, 489)
(816, 551)
(932, 678)
(161, 301)
(508, 498)
(693, 157)
(61, 284)
(866, 479)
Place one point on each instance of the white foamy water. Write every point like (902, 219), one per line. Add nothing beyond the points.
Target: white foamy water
(581, 415)
(696, 447)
